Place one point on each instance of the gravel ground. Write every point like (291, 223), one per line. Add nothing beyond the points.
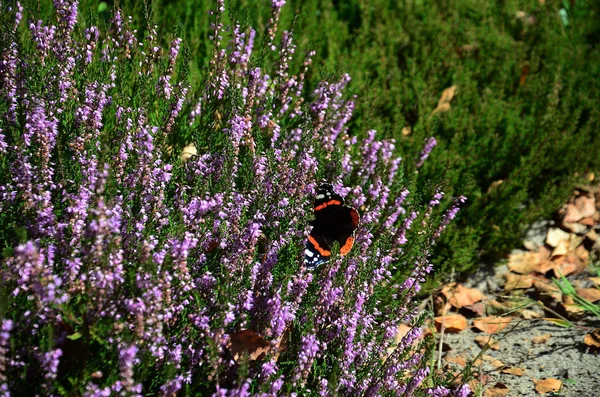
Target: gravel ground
(563, 356)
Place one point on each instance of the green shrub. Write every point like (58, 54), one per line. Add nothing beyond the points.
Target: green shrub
(524, 114)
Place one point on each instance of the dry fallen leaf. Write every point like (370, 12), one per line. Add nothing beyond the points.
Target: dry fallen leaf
(514, 371)
(188, 151)
(478, 308)
(486, 340)
(495, 184)
(460, 296)
(592, 236)
(572, 263)
(444, 101)
(524, 263)
(528, 314)
(593, 339)
(247, 343)
(590, 294)
(447, 94)
(547, 290)
(494, 362)
(541, 339)
(453, 323)
(517, 281)
(583, 207)
(595, 280)
(547, 385)
(458, 360)
(498, 390)
(491, 325)
(577, 228)
(571, 310)
(555, 236)
(495, 307)
(561, 249)
(441, 305)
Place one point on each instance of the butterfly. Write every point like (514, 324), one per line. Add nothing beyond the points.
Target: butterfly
(333, 222)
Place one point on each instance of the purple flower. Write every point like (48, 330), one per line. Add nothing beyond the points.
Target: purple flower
(449, 215)
(429, 145)
(50, 361)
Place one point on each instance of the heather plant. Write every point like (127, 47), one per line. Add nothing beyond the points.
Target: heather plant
(522, 124)
(129, 268)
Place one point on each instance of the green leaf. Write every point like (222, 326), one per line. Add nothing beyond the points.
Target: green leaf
(74, 336)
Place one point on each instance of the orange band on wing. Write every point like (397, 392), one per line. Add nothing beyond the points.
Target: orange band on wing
(348, 246)
(330, 202)
(322, 251)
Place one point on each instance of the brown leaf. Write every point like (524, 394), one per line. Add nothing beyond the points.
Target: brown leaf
(541, 339)
(485, 340)
(491, 325)
(188, 151)
(561, 249)
(571, 310)
(440, 305)
(528, 314)
(494, 362)
(477, 308)
(459, 296)
(577, 227)
(524, 263)
(571, 263)
(247, 343)
(547, 385)
(517, 281)
(477, 383)
(592, 236)
(589, 221)
(453, 323)
(458, 360)
(495, 307)
(593, 339)
(590, 176)
(581, 207)
(498, 390)
(555, 236)
(447, 95)
(514, 371)
(590, 294)
(444, 101)
(495, 184)
(595, 280)
(544, 253)
(547, 290)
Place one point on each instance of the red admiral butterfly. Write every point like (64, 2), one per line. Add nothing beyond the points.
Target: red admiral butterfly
(333, 222)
